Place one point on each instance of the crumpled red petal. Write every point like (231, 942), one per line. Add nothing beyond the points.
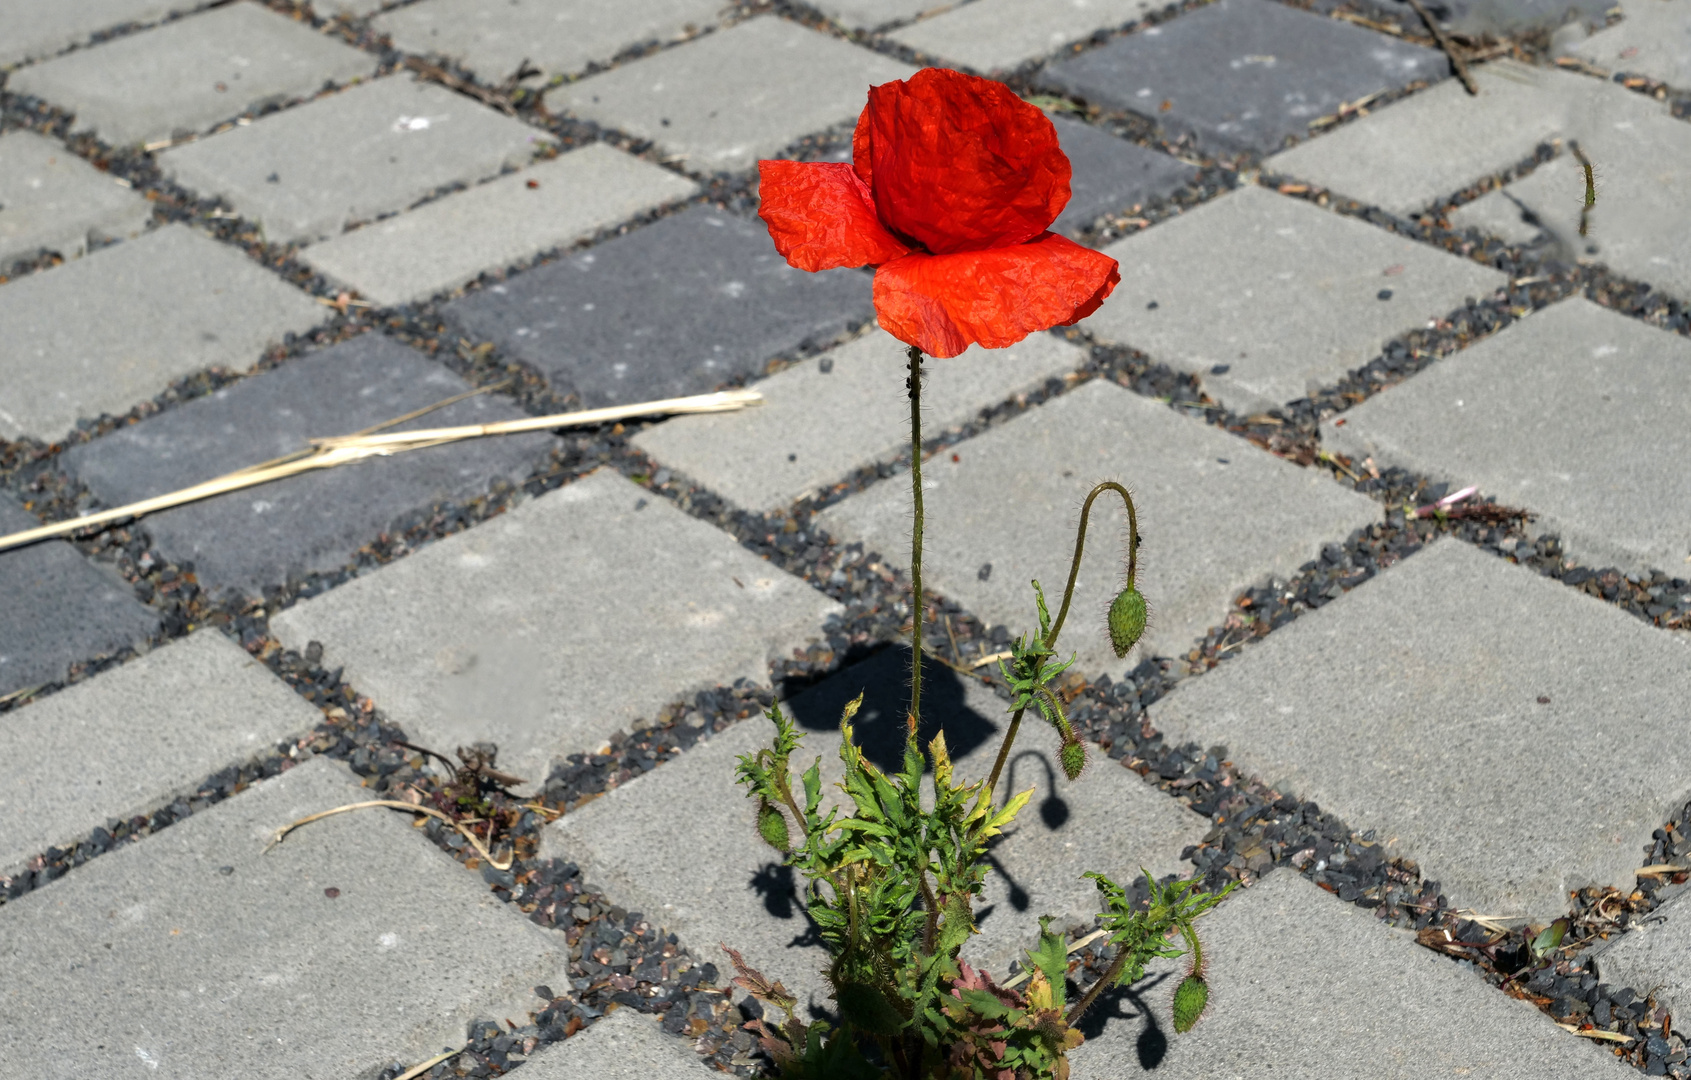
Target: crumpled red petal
(945, 303)
(960, 163)
(820, 216)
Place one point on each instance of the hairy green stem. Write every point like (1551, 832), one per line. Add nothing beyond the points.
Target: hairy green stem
(1107, 979)
(914, 384)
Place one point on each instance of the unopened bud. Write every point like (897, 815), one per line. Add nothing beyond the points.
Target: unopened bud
(772, 826)
(1127, 620)
(1073, 757)
(1190, 999)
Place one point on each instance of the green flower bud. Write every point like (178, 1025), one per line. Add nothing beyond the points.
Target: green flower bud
(1127, 620)
(772, 826)
(1190, 999)
(1073, 757)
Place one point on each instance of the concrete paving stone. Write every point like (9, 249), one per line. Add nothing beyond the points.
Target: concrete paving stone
(1214, 519)
(140, 734)
(1418, 151)
(354, 9)
(493, 37)
(52, 200)
(625, 1045)
(719, 103)
(1501, 18)
(34, 29)
(196, 954)
(190, 74)
(707, 878)
(1243, 74)
(442, 244)
(60, 608)
(1111, 174)
(1654, 955)
(547, 628)
(1001, 35)
(1409, 705)
(1501, 213)
(266, 535)
(832, 414)
(1209, 292)
(677, 307)
(304, 174)
(1653, 38)
(1577, 412)
(171, 303)
(871, 14)
(1296, 982)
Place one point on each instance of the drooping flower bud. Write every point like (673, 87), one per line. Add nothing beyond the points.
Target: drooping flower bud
(1190, 1000)
(1073, 757)
(772, 826)
(1127, 620)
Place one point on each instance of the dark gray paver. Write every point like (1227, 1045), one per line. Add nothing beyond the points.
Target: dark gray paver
(493, 37)
(1304, 985)
(1653, 38)
(189, 74)
(1215, 519)
(139, 735)
(681, 845)
(1405, 706)
(59, 609)
(1111, 174)
(1653, 956)
(305, 173)
(195, 954)
(721, 102)
(1578, 413)
(171, 303)
(548, 628)
(1243, 74)
(1500, 18)
(317, 521)
(625, 1045)
(678, 307)
(1268, 298)
(35, 29)
(826, 416)
(442, 244)
(1426, 147)
(1000, 35)
(52, 200)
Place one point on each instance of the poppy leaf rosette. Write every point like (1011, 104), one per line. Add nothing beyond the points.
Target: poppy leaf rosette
(953, 186)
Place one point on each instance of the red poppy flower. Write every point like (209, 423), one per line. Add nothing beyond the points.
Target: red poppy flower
(954, 183)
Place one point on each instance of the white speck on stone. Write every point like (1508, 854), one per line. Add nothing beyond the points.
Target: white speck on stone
(389, 941)
(147, 1059)
(412, 123)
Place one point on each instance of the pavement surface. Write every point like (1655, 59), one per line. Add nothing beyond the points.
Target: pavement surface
(1398, 375)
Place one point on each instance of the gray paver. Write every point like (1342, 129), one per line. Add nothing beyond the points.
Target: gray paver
(197, 951)
(172, 303)
(723, 101)
(1111, 174)
(699, 872)
(846, 409)
(549, 627)
(680, 306)
(441, 245)
(305, 173)
(1653, 39)
(356, 9)
(493, 37)
(1224, 276)
(1651, 957)
(1001, 35)
(1406, 705)
(1503, 18)
(1428, 146)
(189, 74)
(59, 608)
(1215, 514)
(1296, 989)
(869, 14)
(315, 522)
(1501, 213)
(139, 734)
(1578, 413)
(1244, 74)
(625, 1045)
(52, 200)
(34, 29)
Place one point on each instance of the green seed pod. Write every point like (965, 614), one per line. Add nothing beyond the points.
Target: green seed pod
(1190, 999)
(772, 826)
(1127, 620)
(1073, 757)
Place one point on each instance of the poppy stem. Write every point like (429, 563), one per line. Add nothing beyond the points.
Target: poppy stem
(914, 384)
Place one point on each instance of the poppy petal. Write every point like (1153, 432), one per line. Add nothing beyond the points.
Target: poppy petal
(820, 216)
(960, 163)
(945, 303)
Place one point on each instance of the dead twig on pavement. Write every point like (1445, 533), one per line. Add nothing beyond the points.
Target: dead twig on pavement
(395, 804)
(1449, 48)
